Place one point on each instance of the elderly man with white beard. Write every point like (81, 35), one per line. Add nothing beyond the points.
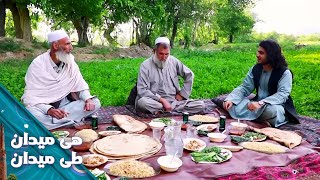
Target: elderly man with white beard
(56, 93)
(158, 88)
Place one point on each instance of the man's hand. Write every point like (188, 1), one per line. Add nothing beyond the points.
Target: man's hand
(166, 104)
(227, 105)
(89, 105)
(179, 97)
(253, 106)
(57, 113)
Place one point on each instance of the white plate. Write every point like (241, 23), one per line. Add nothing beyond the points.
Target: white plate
(222, 151)
(105, 159)
(203, 127)
(187, 140)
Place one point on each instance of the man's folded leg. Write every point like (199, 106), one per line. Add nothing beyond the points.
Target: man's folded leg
(274, 114)
(149, 105)
(47, 120)
(190, 106)
(75, 110)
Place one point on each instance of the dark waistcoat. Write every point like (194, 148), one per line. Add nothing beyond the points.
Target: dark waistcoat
(273, 88)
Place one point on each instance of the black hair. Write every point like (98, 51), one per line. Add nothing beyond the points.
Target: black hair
(274, 54)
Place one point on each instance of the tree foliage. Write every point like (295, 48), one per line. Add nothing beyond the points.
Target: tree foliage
(189, 22)
(232, 18)
(80, 13)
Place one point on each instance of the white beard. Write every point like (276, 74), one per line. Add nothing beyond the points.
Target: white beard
(159, 64)
(64, 57)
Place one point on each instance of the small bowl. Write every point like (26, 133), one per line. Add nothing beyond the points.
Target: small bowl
(237, 128)
(216, 137)
(164, 162)
(157, 125)
(85, 146)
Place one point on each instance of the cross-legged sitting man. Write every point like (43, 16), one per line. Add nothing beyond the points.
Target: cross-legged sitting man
(273, 83)
(56, 93)
(158, 88)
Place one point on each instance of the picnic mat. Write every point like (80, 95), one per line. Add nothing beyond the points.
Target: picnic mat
(105, 113)
(303, 168)
(241, 163)
(309, 128)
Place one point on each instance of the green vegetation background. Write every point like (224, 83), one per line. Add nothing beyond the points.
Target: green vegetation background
(217, 71)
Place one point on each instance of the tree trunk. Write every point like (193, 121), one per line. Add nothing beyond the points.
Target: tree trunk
(174, 31)
(231, 38)
(133, 41)
(81, 26)
(194, 31)
(216, 38)
(25, 23)
(145, 30)
(136, 22)
(16, 20)
(2, 18)
(107, 34)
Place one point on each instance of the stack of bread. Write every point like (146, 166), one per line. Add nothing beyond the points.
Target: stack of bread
(126, 146)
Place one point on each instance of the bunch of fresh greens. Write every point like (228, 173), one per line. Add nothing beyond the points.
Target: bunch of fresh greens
(124, 178)
(209, 154)
(113, 128)
(202, 133)
(239, 139)
(254, 136)
(166, 121)
(99, 174)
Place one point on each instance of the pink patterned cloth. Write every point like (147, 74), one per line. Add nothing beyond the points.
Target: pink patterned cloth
(306, 167)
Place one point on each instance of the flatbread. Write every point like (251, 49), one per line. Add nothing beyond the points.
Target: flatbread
(264, 147)
(126, 145)
(93, 150)
(288, 138)
(204, 119)
(129, 124)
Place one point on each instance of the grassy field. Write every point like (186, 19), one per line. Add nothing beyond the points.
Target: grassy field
(216, 72)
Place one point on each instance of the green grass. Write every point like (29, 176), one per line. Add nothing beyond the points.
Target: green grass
(216, 72)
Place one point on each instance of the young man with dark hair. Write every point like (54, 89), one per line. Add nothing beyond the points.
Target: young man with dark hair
(272, 80)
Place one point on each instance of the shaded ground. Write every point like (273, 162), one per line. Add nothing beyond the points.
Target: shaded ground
(19, 49)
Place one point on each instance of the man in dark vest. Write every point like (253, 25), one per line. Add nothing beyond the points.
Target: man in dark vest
(272, 80)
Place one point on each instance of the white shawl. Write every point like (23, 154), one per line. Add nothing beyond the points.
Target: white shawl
(45, 85)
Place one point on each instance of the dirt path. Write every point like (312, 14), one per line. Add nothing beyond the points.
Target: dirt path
(19, 49)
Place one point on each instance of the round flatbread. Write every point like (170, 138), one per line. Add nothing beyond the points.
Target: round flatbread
(204, 119)
(126, 145)
(94, 150)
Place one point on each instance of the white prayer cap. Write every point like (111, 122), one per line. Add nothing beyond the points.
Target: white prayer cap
(56, 35)
(162, 40)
